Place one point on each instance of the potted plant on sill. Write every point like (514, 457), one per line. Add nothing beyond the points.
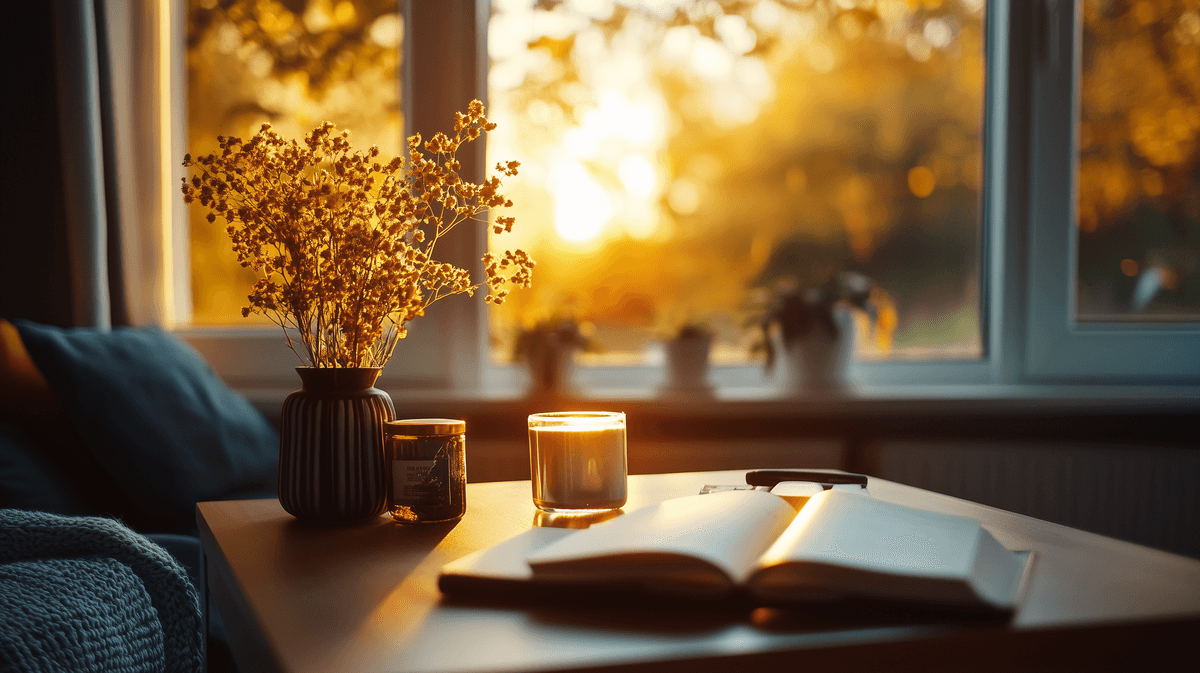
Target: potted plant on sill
(687, 354)
(343, 244)
(814, 327)
(548, 351)
(810, 303)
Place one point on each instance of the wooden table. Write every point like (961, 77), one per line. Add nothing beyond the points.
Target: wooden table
(363, 597)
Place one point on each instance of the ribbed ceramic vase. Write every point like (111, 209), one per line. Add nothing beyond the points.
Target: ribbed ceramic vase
(331, 465)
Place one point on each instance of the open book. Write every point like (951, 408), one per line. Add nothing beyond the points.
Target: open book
(840, 545)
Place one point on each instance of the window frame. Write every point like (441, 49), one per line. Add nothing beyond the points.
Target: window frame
(1059, 347)
(1028, 335)
(443, 349)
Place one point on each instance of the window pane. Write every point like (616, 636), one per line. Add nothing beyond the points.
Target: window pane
(679, 157)
(294, 64)
(1139, 161)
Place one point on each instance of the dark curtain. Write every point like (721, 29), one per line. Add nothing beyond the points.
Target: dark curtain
(35, 245)
(34, 267)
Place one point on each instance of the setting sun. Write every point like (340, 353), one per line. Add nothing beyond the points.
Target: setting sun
(581, 205)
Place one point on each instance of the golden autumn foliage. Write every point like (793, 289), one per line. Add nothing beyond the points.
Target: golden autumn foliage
(1140, 108)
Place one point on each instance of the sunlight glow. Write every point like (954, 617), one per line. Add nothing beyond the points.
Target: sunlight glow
(638, 176)
(684, 197)
(710, 59)
(617, 117)
(767, 15)
(581, 205)
(593, 9)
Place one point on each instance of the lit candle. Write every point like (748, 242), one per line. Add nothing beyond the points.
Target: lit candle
(577, 460)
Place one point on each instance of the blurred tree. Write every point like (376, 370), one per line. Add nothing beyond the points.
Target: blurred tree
(784, 121)
(295, 63)
(1139, 158)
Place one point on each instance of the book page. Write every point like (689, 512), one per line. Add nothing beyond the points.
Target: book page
(998, 572)
(508, 560)
(858, 531)
(672, 540)
(844, 544)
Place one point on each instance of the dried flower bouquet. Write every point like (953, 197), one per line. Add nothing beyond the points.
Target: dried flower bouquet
(343, 243)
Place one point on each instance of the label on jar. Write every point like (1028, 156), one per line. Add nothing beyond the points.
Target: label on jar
(420, 482)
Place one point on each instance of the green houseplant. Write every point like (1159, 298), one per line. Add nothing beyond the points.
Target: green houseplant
(815, 327)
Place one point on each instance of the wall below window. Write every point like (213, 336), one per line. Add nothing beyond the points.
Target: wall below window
(1144, 494)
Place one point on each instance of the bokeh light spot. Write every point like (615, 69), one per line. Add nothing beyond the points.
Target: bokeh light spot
(684, 197)
(921, 181)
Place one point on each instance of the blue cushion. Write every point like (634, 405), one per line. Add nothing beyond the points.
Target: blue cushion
(157, 418)
(30, 478)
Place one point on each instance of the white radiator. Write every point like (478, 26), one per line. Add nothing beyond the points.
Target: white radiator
(1146, 495)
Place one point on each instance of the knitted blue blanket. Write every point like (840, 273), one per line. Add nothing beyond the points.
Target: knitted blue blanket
(89, 594)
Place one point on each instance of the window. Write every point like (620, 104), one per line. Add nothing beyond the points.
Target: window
(1138, 241)
(683, 175)
(681, 158)
(1095, 203)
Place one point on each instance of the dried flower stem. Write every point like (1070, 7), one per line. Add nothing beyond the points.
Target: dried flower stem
(342, 243)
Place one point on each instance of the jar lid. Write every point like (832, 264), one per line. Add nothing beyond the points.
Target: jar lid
(425, 426)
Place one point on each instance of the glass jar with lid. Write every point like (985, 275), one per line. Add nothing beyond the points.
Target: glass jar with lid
(427, 465)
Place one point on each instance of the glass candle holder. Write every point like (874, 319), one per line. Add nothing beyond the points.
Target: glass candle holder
(577, 460)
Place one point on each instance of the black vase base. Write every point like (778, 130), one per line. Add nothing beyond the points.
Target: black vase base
(333, 522)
